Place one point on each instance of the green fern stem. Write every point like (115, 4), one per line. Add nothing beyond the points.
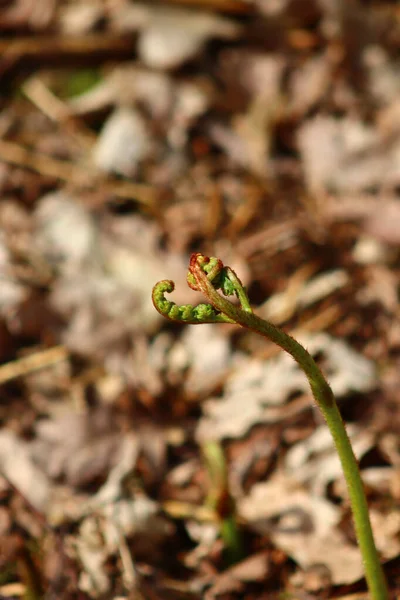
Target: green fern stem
(208, 275)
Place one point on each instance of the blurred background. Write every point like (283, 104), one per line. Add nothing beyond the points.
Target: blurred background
(140, 459)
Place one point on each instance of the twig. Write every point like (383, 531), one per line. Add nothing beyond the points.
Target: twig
(66, 171)
(31, 363)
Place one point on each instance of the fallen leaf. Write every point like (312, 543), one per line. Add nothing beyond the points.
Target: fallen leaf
(55, 216)
(104, 533)
(252, 569)
(354, 158)
(207, 358)
(123, 143)
(314, 461)
(257, 390)
(173, 36)
(79, 446)
(18, 466)
(304, 526)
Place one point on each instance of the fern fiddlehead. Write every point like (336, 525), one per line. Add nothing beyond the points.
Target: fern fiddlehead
(208, 275)
(218, 276)
(184, 313)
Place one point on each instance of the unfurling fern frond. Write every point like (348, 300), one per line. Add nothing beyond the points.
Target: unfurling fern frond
(185, 313)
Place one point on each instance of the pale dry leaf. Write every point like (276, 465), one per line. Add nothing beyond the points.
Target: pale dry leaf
(136, 368)
(379, 479)
(173, 36)
(309, 83)
(105, 296)
(383, 74)
(101, 535)
(92, 554)
(389, 445)
(233, 144)
(79, 446)
(137, 268)
(153, 90)
(368, 251)
(322, 285)
(14, 218)
(126, 85)
(125, 461)
(80, 18)
(382, 287)
(378, 168)
(280, 305)
(28, 14)
(315, 462)
(319, 143)
(257, 390)
(153, 443)
(386, 528)
(129, 16)
(93, 304)
(139, 518)
(123, 143)
(170, 36)
(182, 474)
(13, 293)
(15, 242)
(384, 223)
(341, 154)
(346, 369)
(207, 351)
(304, 526)
(251, 569)
(261, 74)
(205, 536)
(17, 465)
(273, 8)
(256, 130)
(248, 141)
(109, 388)
(388, 119)
(253, 394)
(191, 101)
(316, 578)
(159, 350)
(64, 231)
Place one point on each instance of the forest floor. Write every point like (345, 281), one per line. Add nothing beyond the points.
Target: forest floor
(263, 132)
